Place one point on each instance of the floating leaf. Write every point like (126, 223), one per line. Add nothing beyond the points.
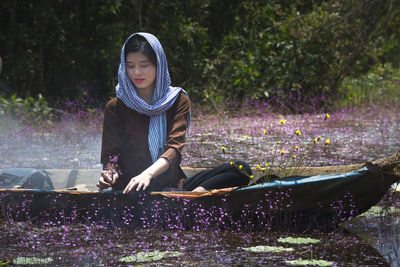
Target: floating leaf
(5, 262)
(298, 240)
(310, 262)
(150, 256)
(244, 137)
(31, 260)
(268, 249)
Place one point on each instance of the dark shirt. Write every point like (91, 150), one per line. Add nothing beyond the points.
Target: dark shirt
(125, 135)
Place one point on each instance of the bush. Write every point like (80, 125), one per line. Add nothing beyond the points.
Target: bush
(30, 111)
(215, 49)
(380, 85)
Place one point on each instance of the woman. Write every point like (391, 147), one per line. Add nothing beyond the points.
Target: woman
(145, 125)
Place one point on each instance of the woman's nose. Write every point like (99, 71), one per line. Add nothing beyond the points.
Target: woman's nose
(137, 71)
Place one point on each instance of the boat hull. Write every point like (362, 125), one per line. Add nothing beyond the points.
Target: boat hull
(294, 203)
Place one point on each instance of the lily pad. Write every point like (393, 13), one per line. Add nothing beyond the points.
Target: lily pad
(310, 262)
(298, 240)
(268, 249)
(5, 262)
(31, 260)
(150, 256)
(244, 137)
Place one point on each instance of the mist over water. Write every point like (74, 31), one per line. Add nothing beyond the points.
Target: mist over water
(356, 136)
(22, 147)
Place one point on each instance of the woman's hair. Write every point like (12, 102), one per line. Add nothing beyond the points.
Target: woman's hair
(139, 44)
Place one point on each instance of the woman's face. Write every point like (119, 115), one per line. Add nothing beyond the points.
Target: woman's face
(140, 71)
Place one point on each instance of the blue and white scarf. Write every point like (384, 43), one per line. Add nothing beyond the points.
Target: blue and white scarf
(163, 98)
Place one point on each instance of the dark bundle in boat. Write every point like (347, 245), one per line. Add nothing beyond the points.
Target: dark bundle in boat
(319, 197)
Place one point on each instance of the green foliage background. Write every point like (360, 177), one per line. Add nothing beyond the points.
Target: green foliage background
(216, 49)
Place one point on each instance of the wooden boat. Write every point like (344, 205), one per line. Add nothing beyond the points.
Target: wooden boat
(318, 197)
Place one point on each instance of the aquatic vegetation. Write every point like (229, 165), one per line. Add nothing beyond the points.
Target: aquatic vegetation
(150, 256)
(281, 165)
(73, 141)
(298, 240)
(309, 262)
(112, 237)
(31, 260)
(268, 249)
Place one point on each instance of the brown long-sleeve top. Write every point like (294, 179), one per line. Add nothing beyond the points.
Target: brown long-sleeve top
(125, 136)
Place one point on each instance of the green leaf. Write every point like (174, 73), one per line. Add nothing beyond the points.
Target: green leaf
(298, 240)
(244, 137)
(31, 260)
(310, 262)
(150, 256)
(268, 249)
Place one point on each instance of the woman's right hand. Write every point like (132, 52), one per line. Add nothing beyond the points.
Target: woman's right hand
(107, 179)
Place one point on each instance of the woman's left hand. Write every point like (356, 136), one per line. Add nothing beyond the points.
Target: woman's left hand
(140, 182)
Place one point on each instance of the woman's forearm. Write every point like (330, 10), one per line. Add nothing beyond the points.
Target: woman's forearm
(142, 181)
(157, 168)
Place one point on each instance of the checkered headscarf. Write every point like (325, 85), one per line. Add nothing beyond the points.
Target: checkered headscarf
(163, 98)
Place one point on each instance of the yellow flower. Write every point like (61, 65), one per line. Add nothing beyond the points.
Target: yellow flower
(294, 156)
(251, 177)
(328, 141)
(266, 164)
(231, 163)
(265, 131)
(263, 169)
(298, 132)
(280, 168)
(278, 142)
(326, 116)
(240, 167)
(282, 122)
(296, 147)
(223, 149)
(316, 140)
(258, 167)
(319, 138)
(283, 152)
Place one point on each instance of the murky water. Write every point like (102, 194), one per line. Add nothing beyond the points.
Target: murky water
(95, 245)
(356, 136)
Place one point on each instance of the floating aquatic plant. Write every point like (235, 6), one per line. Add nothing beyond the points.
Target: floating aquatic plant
(150, 256)
(31, 260)
(268, 249)
(298, 240)
(309, 262)
(358, 136)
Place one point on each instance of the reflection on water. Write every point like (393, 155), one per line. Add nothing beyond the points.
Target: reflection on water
(380, 227)
(88, 237)
(96, 245)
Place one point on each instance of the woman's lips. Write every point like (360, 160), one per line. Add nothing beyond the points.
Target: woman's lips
(139, 80)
